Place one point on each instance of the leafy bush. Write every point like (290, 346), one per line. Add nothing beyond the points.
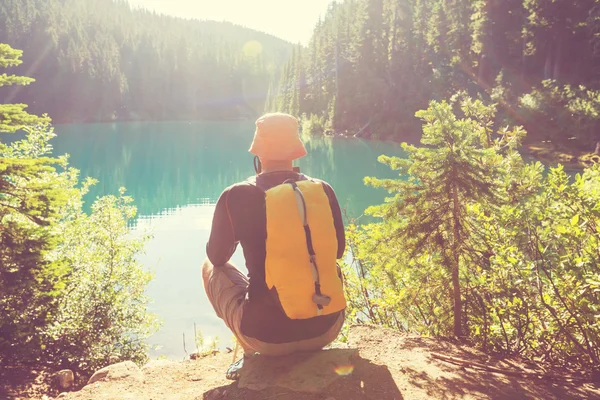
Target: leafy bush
(539, 289)
(71, 289)
(30, 282)
(476, 242)
(31, 201)
(205, 344)
(102, 319)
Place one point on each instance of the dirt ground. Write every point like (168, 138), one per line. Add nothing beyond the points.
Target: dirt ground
(387, 365)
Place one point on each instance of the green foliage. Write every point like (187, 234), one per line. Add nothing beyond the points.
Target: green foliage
(562, 113)
(30, 204)
(537, 285)
(371, 64)
(36, 142)
(104, 60)
(13, 116)
(454, 170)
(205, 345)
(473, 231)
(71, 289)
(102, 319)
(313, 125)
(31, 200)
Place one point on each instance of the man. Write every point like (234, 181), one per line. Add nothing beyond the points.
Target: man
(291, 231)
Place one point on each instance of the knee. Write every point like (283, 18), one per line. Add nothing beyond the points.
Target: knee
(207, 269)
(211, 272)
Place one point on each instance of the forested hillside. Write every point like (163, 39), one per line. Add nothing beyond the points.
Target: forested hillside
(371, 64)
(100, 60)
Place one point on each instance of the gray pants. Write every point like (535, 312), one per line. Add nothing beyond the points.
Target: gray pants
(226, 288)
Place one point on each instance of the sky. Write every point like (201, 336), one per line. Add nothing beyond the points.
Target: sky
(291, 20)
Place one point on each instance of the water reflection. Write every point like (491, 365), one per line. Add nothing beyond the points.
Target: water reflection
(172, 164)
(175, 171)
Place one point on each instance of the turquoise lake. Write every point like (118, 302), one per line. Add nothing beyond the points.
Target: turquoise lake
(176, 171)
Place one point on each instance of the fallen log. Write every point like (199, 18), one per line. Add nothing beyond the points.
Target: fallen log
(357, 134)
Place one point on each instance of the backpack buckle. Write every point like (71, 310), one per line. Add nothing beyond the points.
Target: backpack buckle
(321, 299)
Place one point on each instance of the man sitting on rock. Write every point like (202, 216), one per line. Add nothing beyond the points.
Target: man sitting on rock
(291, 231)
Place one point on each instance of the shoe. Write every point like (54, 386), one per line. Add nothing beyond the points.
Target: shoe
(235, 369)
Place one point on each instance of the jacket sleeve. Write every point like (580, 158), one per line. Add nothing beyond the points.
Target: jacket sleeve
(338, 221)
(222, 241)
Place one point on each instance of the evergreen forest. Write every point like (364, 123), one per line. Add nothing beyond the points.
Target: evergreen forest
(370, 65)
(104, 61)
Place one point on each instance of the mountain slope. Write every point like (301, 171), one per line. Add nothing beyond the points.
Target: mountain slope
(371, 64)
(101, 60)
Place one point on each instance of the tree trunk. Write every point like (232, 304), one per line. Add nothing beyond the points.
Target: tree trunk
(455, 259)
(548, 64)
(557, 61)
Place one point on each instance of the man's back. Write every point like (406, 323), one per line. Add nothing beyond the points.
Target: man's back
(240, 217)
(292, 299)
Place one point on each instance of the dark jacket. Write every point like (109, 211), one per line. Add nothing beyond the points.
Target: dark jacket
(240, 217)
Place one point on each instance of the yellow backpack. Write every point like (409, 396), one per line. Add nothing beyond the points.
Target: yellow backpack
(302, 250)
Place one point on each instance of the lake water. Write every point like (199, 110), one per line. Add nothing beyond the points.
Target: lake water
(176, 171)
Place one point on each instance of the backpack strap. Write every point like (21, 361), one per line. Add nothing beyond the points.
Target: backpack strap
(318, 298)
(263, 184)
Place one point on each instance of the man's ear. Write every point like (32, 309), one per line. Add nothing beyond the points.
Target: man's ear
(257, 165)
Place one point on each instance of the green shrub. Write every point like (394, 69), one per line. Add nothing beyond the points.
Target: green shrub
(71, 288)
(103, 319)
(471, 228)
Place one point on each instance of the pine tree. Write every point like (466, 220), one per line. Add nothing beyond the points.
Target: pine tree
(451, 171)
(382, 60)
(370, 63)
(111, 62)
(13, 116)
(30, 199)
(63, 300)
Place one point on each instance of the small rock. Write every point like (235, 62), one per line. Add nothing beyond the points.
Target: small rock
(198, 355)
(124, 370)
(337, 345)
(62, 395)
(65, 378)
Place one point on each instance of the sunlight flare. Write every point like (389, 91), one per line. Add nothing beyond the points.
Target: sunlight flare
(344, 370)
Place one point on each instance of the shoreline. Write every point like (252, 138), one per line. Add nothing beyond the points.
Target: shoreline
(152, 121)
(570, 158)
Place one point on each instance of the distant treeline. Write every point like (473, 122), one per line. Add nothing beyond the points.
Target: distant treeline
(101, 60)
(371, 64)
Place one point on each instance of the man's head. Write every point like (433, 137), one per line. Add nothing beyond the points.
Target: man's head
(277, 141)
